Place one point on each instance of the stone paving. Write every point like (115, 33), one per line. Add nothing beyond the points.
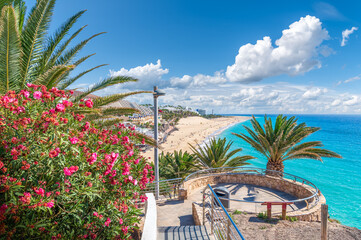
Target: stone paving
(179, 212)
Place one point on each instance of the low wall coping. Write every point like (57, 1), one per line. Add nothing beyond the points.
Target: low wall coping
(150, 223)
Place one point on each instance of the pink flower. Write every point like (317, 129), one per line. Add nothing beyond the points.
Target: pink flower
(135, 182)
(107, 222)
(120, 221)
(95, 214)
(89, 103)
(90, 184)
(40, 191)
(125, 230)
(67, 103)
(60, 108)
(92, 159)
(130, 153)
(50, 204)
(71, 170)
(53, 153)
(26, 94)
(74, 140)
(37, 95)
(136, 161)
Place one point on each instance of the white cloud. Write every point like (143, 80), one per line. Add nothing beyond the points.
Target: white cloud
(327, 11)
(358, 77)
(148, 75)
(314, 93)
(354, 100)
(198, 80)
(346, 34)
(295, 53)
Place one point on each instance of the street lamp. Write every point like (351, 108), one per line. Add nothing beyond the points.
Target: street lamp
(156, 94)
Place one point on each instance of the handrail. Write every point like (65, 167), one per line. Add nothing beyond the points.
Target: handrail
(254, 170)
(219, 203)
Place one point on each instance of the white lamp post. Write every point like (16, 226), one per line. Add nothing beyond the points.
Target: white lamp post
(156, 94)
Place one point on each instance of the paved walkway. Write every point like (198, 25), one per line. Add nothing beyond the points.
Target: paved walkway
(179, 212)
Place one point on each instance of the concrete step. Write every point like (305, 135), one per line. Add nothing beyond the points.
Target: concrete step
(183, 233)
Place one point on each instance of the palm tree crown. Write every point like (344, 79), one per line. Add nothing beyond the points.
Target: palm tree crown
(216, 154)
(177, 164)
(29, 55)
(284, 141)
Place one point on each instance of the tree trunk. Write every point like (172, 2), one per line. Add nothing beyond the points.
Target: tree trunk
(275, 166)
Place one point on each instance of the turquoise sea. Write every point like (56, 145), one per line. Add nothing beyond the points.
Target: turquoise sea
(338, 179)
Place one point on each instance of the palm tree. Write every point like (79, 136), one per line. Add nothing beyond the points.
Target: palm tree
(29, 55)
(216, 154)
(284, 141)
(177, 164)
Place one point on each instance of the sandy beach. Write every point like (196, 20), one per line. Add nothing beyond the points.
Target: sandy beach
(195, 130)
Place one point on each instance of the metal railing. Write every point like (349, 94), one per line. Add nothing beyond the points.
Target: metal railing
(311, 200)
(168, 189)
(221, 223)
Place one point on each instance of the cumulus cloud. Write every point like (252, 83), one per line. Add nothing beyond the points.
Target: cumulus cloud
(148, 75)
(346, 34)
(198, 80)
(314, 93)
(295, 53)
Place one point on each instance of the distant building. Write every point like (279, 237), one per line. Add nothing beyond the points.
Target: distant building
(201, 111)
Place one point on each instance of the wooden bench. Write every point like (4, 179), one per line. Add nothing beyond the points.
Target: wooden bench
(269, 208)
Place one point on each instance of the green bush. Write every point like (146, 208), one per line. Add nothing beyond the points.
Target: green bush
(61, 177)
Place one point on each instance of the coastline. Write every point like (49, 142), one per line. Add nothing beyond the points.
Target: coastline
(195, 130)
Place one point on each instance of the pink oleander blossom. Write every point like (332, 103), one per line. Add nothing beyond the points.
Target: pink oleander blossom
(40, 191)
(92, 159)
(74, 140)
(37, 95)
(60, 107)
(69, 171)
(50, 204)
(107, 222)
(89, 103)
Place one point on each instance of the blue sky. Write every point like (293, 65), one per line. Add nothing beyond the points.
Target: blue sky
(197, 44)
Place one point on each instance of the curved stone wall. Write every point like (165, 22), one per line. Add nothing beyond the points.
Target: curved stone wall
(293, 188)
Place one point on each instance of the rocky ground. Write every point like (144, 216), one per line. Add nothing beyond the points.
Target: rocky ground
(253, 227)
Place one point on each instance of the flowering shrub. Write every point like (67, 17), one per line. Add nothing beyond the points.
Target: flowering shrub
(62, 177)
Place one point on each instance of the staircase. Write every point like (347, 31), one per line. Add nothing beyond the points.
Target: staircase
(183, 233)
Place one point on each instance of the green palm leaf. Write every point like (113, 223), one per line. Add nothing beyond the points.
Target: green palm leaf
(54, 41)
(32, 37)
(216, 154)
(285, 140)
(105, 83)
(9, 49)
(66, 83)
(102, 101)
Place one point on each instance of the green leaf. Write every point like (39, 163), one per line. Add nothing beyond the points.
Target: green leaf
(9, 50)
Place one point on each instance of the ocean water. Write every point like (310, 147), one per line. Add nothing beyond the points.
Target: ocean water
(338, 179)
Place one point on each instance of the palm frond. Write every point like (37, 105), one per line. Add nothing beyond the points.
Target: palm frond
(66, 83)
(284, 140)
(105, 83)
(51, 77)
(55, 40)
(118, 111)
(32, 37)
(102, 101)
(9, 50)
(20, 11)
(60, 50)
(68, 56)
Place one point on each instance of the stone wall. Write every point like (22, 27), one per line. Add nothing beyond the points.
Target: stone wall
(296, 189)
